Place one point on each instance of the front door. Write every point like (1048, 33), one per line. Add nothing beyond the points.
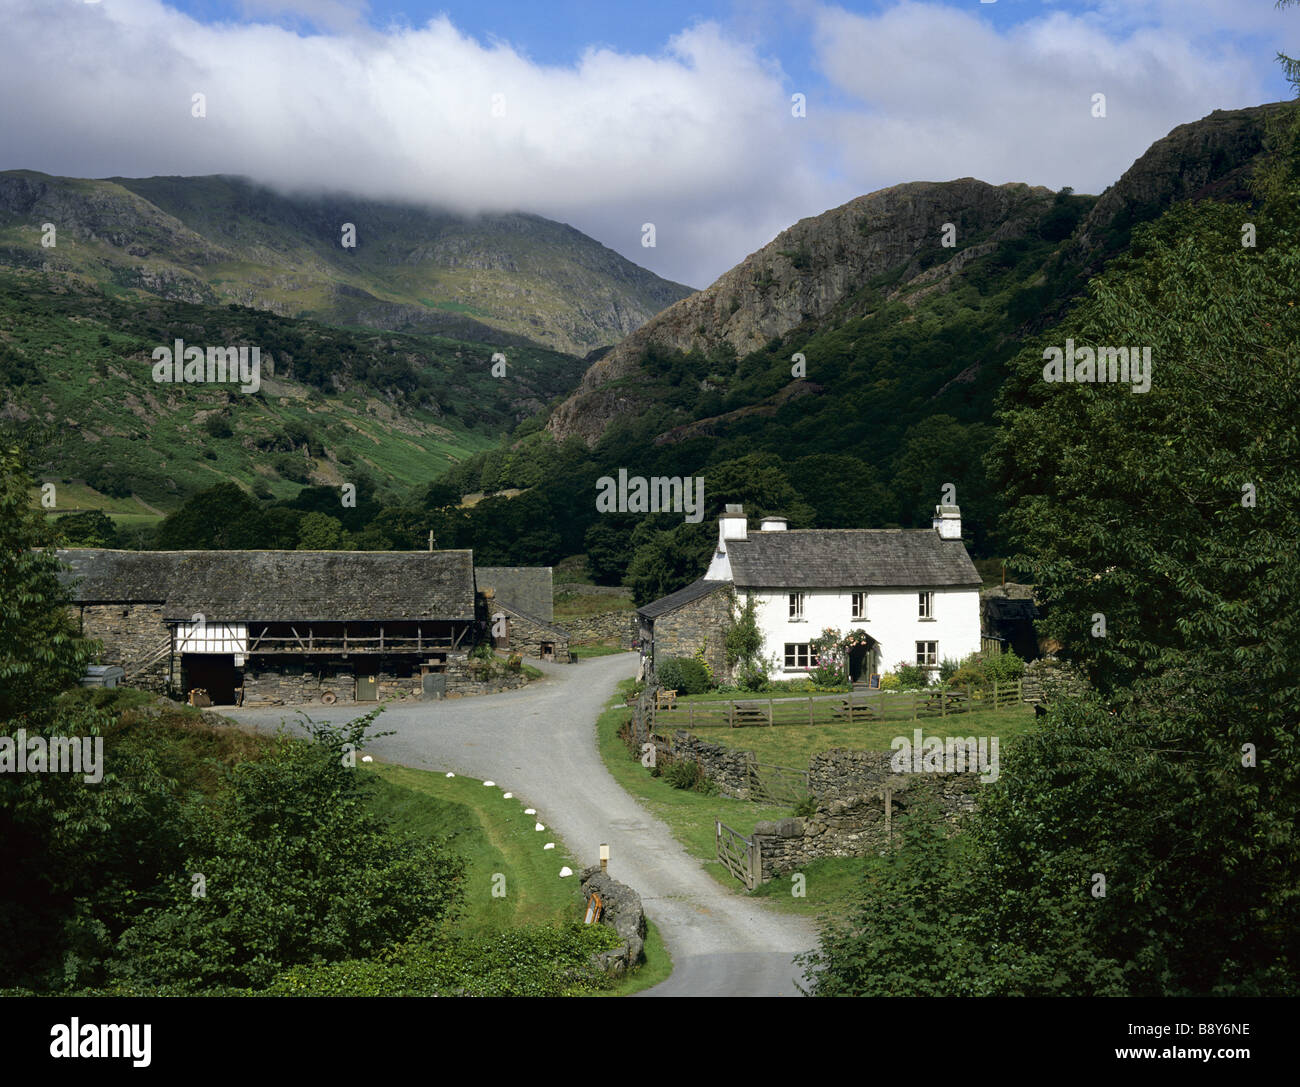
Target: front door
(857, 662)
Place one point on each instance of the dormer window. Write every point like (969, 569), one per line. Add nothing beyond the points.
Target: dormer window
(926, 604)
(796, 607)
(859, 606)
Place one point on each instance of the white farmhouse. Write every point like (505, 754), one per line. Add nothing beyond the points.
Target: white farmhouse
(913, 593)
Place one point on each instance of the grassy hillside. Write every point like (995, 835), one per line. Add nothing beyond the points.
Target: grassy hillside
(334, 405)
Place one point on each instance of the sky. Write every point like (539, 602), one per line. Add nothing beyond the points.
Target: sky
(610, 116)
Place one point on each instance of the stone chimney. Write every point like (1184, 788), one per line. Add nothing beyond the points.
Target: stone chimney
(947, 522)
(774, 524)
(732, 526)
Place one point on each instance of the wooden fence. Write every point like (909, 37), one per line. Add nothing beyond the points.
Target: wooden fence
(857, 707)
(738, 854)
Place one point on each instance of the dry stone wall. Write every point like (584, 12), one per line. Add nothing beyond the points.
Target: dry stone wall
(603, 627)
(1049, 678)
(622, 911)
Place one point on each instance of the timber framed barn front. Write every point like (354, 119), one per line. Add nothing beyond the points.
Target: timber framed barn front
(262, 627)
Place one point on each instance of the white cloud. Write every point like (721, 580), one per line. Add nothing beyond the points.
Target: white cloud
(938, 93)
(697, 138)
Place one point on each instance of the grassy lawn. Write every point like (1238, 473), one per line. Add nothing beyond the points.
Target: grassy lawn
(578, 605)
(495, 836)
(794, 745)
(829, 884)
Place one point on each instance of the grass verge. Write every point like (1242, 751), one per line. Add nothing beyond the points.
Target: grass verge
(497, 838)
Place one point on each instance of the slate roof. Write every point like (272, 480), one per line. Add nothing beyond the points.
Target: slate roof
(694, 591)
(831, 558)
(527, 589)
(280, 586)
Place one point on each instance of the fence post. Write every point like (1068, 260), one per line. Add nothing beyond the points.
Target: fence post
(889, 816)
(810, 710)
(690, 715)
(995, 694)
(943, 702)
(770, 722)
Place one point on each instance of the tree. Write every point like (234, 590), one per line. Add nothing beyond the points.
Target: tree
(320, 532)
(222, 518)
(89, 528)
(298, 869)
(40, 651)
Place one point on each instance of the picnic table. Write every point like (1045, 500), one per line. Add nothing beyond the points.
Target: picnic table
(849, 709)
(748, 713)
(939, 700)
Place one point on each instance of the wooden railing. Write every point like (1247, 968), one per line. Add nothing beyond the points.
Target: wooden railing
(850, 708)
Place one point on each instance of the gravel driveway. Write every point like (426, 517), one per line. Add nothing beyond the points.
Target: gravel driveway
(540, 743)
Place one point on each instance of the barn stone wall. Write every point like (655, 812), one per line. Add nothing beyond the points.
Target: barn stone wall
(131, 633)
(527, 638)
(702, 622)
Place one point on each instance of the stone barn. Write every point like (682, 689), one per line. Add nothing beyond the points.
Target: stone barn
(523, 597)
(681, 623)
(282, 626)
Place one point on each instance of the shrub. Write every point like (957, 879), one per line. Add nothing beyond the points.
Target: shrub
(969, 676)
(753, 677)
(684, 675)
(947, 667)
(218, 426)
(889, 682)
(683, 774)
(1004, 668)
(912, 675)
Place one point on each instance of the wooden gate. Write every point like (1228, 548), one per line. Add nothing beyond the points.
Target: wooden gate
(773, 784)
(738, 854)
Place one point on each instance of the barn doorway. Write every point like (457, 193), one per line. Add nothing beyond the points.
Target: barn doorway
(212, 672)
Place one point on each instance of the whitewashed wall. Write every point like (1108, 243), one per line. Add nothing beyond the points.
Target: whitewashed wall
(892, 619)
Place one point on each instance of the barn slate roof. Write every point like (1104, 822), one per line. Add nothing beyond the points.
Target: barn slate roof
(279, 586)
(527, 589)
(831, 558)
(694, 591)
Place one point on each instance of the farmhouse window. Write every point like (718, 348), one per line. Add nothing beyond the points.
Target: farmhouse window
(859, 605)
(796, 655)
(926, 605)
(796, 607)
(927, 654)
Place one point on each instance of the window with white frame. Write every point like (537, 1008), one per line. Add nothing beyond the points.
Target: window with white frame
(927, 654)
(796, 607)
(796, 655)
(926, 604)
(859, 605)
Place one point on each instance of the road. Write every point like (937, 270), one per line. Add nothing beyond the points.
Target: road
(540, 743)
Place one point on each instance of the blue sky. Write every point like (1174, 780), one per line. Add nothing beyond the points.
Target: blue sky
(612, 115)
